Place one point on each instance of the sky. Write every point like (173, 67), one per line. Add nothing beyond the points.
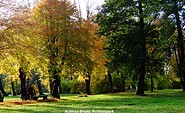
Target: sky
(92, 3)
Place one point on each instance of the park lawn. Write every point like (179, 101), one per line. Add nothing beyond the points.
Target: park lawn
(161, 101)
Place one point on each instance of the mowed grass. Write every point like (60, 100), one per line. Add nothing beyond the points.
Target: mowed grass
(163, 101)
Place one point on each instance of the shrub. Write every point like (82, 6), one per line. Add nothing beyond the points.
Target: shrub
(66, 86)
(77, 87)
(100, 85)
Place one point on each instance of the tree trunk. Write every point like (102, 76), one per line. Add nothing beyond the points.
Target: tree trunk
(17, 88)
(177, 53)
(2, 88)
(56, 84)
(40, 87)
(39, 84)
(140, 90)
(180, 43)
(87, 84)
(13, 88)
(152, 83)
(123, 83)
(60, 89)
(110, 82)
(22, 77)
(51, 86)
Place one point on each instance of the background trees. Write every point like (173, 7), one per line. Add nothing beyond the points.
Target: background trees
(142, 44)
(173, 15)
(70, 42)
(122, 22)
(133, 33)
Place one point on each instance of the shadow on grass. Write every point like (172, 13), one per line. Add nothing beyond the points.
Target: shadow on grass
(162, 98)
(158, 101)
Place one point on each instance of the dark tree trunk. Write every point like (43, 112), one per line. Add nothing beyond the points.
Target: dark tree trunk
(123, 82)
(177, 53)
(13, 88)
(40, 87)
(133, 86)
(60, 89)
(51, 86)
(22, 77)
(2, 88)
(17, 88)
(56, 84)
(39, 84)
(180, 43)
(110, 82)
(152, 83)
(140, 90)
(87, 84)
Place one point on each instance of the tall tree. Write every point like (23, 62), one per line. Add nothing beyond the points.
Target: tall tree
(58, 18)
(67, 44)
(174, 17)
(17, 38)
(180, 40)
(126, 27)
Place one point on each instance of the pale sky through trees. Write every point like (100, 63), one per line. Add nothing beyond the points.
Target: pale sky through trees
(93, 4)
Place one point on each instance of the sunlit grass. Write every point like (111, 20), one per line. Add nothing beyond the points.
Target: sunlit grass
(168, 101)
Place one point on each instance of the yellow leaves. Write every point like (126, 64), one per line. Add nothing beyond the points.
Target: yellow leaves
(81, 78)
(9, 65)
(21, 40)
(30, 34)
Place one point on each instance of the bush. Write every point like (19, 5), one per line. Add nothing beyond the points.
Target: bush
(117, 84)
(175, 85)
(66, 86)
(161, 83)
(100, 85)
(77, 87)
(147, 85)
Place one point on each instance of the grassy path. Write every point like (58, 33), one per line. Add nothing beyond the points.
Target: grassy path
(164, 101)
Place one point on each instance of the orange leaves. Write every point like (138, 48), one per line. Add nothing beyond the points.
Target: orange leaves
(96, 43)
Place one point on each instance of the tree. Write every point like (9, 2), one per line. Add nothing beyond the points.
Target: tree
(18, 44)
(126, 27)
(174, 21)
(67, 43)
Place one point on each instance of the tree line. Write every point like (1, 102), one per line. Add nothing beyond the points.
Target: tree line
(143, 36)
(128, 45)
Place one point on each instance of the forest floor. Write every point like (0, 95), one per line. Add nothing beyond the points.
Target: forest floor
(160, 101)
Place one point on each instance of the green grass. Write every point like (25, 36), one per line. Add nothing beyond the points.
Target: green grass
(164, 101)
